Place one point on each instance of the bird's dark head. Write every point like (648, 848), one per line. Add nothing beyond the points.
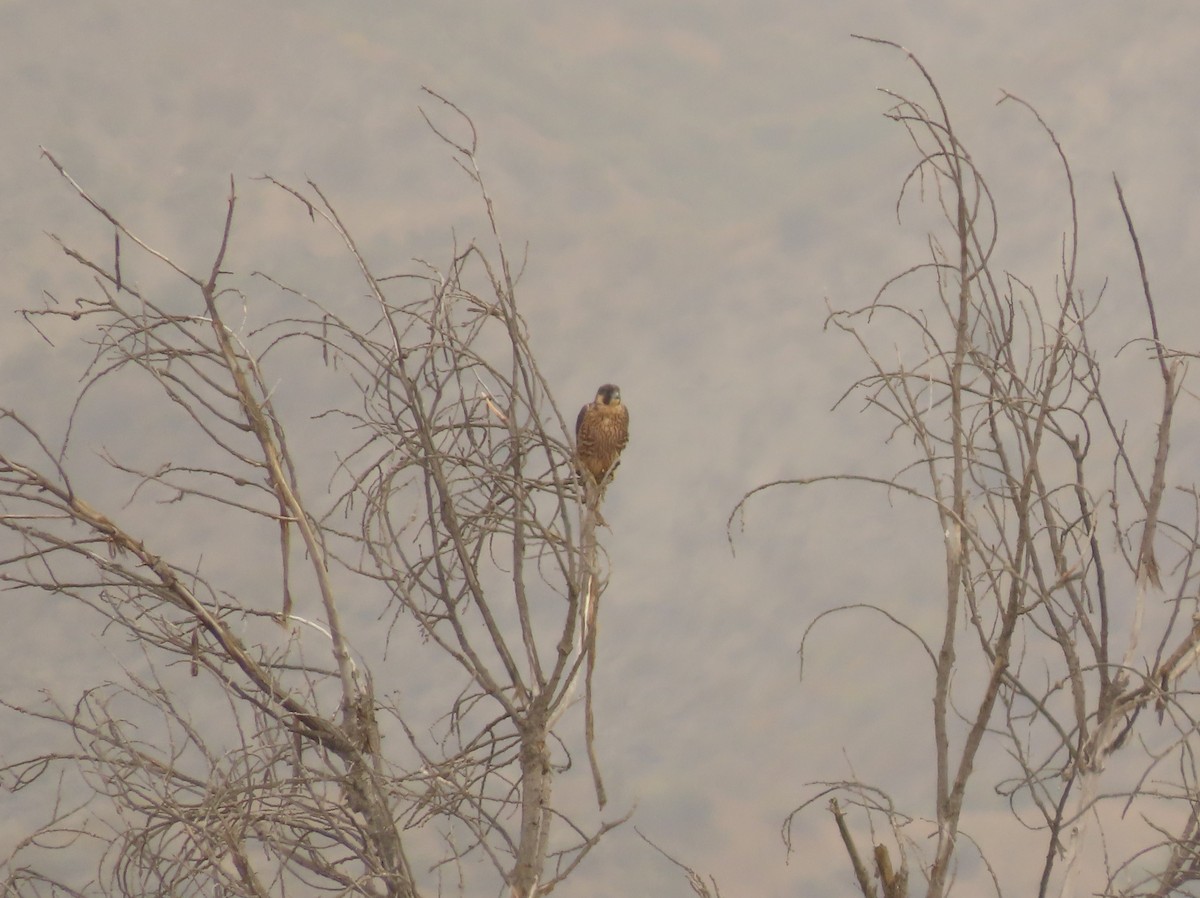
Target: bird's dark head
(609, 394)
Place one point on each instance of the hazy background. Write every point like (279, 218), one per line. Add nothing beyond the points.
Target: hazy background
(694, 181)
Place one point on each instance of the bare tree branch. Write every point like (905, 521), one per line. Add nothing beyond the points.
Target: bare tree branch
(1018, 451)
(266, 751)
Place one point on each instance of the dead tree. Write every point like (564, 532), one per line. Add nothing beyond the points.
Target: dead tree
(262, 740)
(1069, 630)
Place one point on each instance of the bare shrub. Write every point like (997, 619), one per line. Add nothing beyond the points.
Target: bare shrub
(375, 707)
(1069, 616)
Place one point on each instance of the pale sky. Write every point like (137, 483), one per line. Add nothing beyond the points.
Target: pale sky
(695, 182)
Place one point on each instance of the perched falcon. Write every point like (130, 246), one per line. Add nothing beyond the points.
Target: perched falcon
(601, 432)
